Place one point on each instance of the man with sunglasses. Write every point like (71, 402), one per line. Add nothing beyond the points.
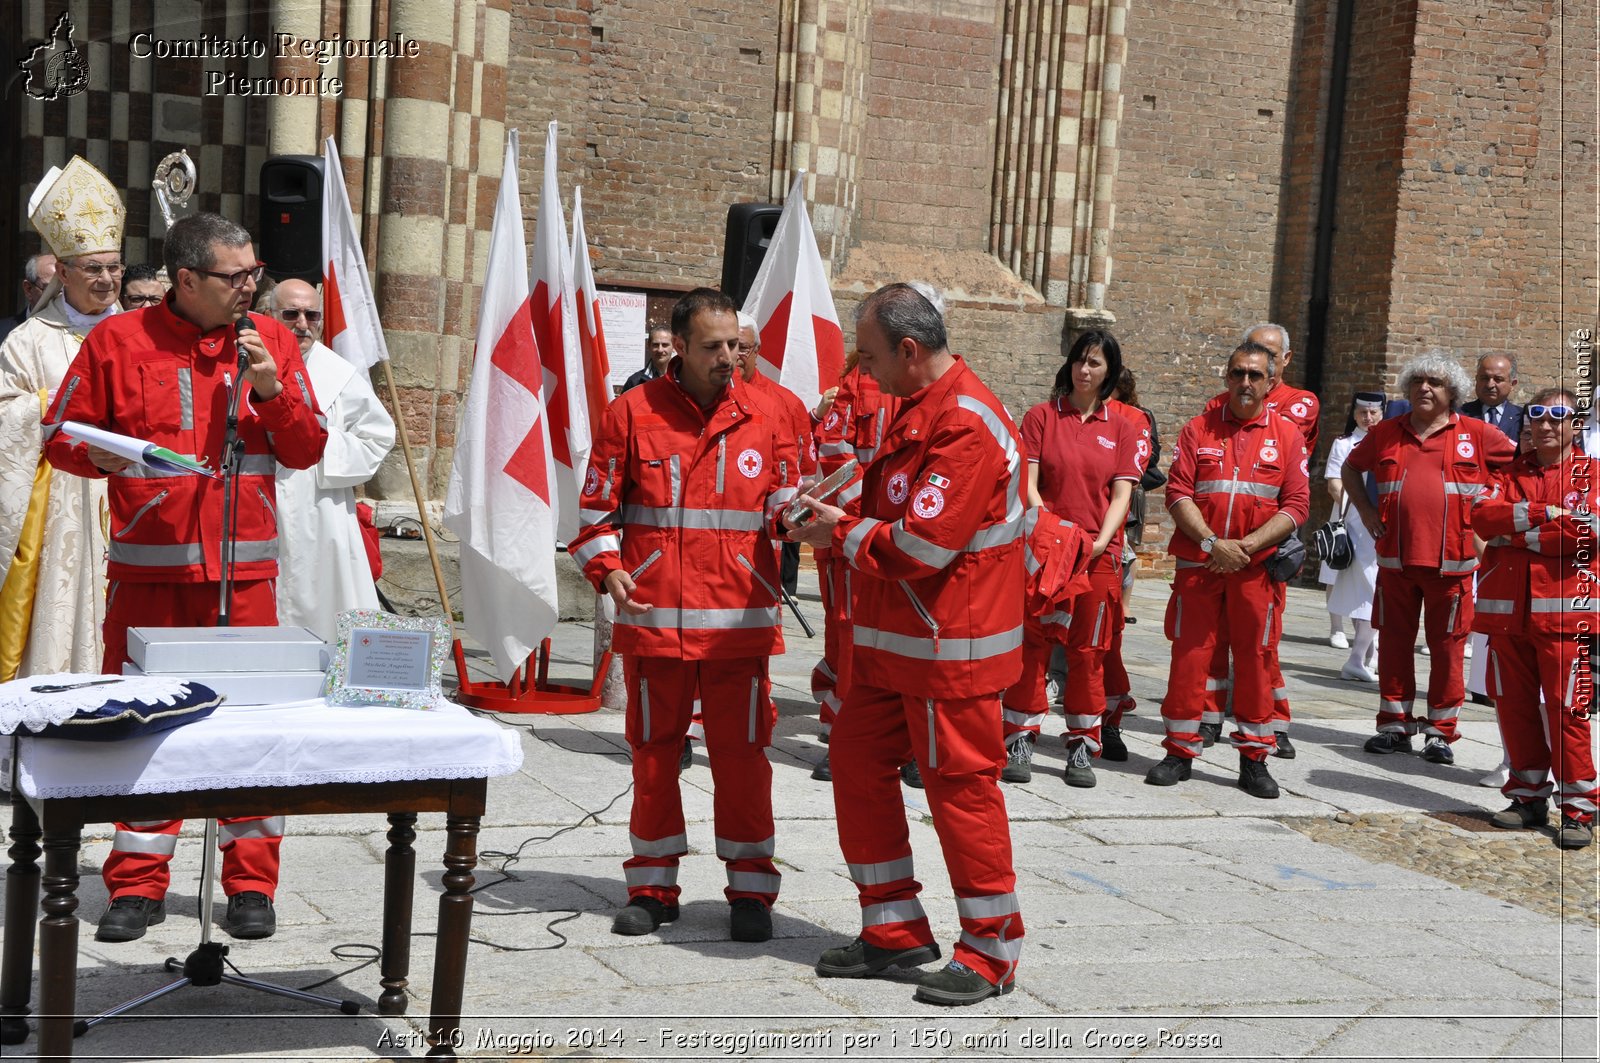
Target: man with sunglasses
(1237, 488)
(52, 601)
(322, 559)
(166, 374)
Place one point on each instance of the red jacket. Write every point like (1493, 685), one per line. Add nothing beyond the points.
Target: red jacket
(1475, 450)
(153, 375)
(1295, 405)
(938, 546)
(1056, 559)
(687, 501)
(787, 407)
(853, 428)
(1241, 474)
(1539, 572)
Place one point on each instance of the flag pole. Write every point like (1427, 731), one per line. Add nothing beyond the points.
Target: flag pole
(416, 491)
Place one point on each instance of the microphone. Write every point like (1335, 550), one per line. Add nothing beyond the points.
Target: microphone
(239, 327)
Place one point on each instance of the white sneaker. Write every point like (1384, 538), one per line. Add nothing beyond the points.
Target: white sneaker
(1423, 649)
(1358, 672)
(1339, 640)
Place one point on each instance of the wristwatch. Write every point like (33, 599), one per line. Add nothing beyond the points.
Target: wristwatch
(1207, 543)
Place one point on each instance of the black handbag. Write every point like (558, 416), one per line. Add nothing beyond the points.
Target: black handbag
(1333, 545)
(1287, 560)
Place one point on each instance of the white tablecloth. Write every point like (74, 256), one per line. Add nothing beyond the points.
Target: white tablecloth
(299, 744)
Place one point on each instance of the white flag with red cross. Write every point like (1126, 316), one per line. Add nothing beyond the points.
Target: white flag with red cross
(349, 312)
(591, 334)
(501, 495)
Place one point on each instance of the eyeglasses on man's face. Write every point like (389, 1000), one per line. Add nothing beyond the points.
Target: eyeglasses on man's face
(96, 270)
(1551, 413)
(235, 280)
(133, 302)
(292, 313)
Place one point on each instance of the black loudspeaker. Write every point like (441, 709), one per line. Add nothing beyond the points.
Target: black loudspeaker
(291, 217)
(750, 229)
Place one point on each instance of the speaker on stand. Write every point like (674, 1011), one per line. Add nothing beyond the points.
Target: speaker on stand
(291, 217)
(750, 229)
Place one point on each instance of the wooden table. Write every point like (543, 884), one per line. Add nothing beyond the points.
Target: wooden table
(60, 822)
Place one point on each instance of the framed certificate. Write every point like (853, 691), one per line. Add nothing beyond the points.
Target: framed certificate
(383, 659)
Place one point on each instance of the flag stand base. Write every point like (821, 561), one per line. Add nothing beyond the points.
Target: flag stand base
(554, 699)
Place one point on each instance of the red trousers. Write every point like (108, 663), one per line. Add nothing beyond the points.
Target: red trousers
(140, 852)
(1096, 621)
(738, 723)
(826, 687)
(1444, 604)
(1549, 738)
(1205, 608)
(958, 748)
(1219, 683)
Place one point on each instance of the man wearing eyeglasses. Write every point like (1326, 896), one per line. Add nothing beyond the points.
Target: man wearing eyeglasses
(1237, 488)
(142, 287)
(167, 374)
(52, 601)
(322, 560)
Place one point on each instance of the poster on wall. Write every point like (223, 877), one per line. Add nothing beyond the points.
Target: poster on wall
(622, 315)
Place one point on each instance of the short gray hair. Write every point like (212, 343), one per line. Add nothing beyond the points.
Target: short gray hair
(30, 268)
(1511, 360)
(748, 321)
(1283, 333)
(191, 243)
(1439, 364)
(901, 311)
(930, 293)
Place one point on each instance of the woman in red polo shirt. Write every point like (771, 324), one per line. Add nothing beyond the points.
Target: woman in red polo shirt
(1083, 463)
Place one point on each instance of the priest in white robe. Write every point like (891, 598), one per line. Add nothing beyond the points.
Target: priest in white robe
(52, 524)
(322, 561)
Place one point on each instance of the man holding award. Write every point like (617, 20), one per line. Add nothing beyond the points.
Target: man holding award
(167, 375)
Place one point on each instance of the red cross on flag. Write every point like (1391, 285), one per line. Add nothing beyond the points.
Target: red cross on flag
(802, 346)
(350, 313)
(591, 336)
(500, 496)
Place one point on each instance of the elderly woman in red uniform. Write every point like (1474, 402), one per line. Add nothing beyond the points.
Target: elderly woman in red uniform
(1429, 464)
(1083, 462)
(1535, 602)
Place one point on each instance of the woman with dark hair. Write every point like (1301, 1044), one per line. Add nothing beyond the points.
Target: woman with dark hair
(1083, 462)
(1350, 588)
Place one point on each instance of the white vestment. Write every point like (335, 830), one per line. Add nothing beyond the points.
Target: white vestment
(69, 602)
(322, 561)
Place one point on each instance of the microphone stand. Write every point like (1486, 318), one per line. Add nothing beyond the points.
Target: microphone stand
(204, 966)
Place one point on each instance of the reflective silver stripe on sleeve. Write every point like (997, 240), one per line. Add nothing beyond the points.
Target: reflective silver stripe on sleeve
(994, 948)
(995, 535)
(1497, 606)
(883, 872)
(650, 876)
(673, 845)
(753, 881)
(611, 471)
(1519, 517)
(186, 399)
(1237, 487)
(586, 517)
(132, 841)
(594, 548)
(857, 536)
(667, 618)
(780, 498)
(991, 907)
(922, 649)
(732, 850)
(849, 494)
(907, 911)
(270, 827)
(928, 553)
(834, 450)
(692, 519)
(1008, 447)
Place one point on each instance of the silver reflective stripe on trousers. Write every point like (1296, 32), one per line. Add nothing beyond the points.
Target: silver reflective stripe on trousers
(753, 881)
(675, 845)
(644, 706)
(921, 649)
(732, 850)
(933, 740)
(271, 827)
(883, 872)
(650, 876)
(755, 703)
(906, 911)
(134, 841)
(991, 907)
(1023, 719)
(994, 948)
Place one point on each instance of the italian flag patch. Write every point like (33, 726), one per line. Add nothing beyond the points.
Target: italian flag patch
(938, 481)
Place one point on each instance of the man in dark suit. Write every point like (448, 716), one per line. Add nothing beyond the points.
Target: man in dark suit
(1497, 379)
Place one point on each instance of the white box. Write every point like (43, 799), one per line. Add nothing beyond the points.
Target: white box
(188, 650)
(249, 688)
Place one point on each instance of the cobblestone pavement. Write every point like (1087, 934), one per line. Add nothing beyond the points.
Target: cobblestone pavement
(1523, 867)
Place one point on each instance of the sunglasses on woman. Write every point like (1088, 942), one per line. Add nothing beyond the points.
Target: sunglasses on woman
(1550, 413)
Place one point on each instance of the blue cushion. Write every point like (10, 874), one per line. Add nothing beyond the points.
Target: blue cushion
(114, 721)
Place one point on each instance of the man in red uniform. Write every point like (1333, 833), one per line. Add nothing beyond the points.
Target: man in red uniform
(1429, 465)
(1237, 488)
(1536, 603)
(680, 509)
(165, 374)
(937, 559)
(1298, 407)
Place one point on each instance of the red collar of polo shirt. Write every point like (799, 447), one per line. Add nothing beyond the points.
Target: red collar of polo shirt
(1411, 429)
(1101, 412)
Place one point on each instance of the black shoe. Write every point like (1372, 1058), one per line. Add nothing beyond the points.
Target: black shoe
(1285, 748)
(1437, 751)
(1171, 771)
(1255, 780)
(956, 984)
(861, 960)
(127, 918)
(1388, 742)
(822, 771)
(1080, 768)
(686, 758)
(749, 920)
(250, 916)
(1019, 760)
(1210, 733)
(1112, 747)
(911, 775)
(643, 915)
(1574, 833)
(1522, 815)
